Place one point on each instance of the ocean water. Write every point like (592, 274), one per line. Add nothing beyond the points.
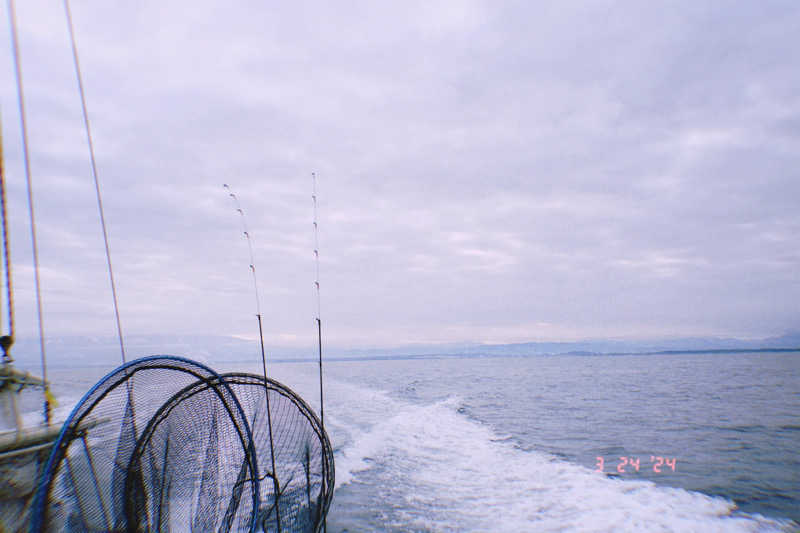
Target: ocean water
(690, 442)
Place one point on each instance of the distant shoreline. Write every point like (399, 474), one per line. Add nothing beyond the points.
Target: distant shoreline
(406, 357)
(711, 351)
(473, 353)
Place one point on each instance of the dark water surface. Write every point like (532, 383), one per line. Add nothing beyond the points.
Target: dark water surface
(731, 422)
(512, 444)
(728, 423)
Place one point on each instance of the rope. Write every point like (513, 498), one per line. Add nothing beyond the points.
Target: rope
(263, 354)
(26, 153)
(96, 180)
(6, 340)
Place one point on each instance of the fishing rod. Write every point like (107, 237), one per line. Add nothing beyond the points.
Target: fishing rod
(247, 236)
(316, 285)
(319, 313)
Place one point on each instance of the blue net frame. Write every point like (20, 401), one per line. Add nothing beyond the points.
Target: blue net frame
(83, 486)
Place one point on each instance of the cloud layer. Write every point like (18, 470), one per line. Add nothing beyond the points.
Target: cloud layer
(490, 172)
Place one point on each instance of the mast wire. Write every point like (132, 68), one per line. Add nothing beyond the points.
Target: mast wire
(319, 312)
(247, 236)
(26, 157)
(96, 180)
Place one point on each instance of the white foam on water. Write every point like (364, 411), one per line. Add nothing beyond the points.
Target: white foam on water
(357, 440)
(444, 471)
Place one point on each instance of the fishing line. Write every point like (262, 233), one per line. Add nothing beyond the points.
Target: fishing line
(94, 175)
(12, 17)
(247, 236)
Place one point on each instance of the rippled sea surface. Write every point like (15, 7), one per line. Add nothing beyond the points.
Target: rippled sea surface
(690, 442)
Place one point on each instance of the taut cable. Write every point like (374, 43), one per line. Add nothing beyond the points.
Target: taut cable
(26, 157)
(96, 180)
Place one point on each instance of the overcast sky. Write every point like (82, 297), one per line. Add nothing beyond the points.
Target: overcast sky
(488, 171)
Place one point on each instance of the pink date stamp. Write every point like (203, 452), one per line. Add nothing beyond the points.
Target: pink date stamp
(633, 464)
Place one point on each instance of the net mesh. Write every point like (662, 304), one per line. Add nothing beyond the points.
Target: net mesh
(165, 444)
(192, 468)
(304, 477)
(84, 484)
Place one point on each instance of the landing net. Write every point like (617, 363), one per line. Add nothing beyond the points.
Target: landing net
(96, 466)
(166, 444)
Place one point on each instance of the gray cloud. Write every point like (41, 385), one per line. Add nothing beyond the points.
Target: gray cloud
(488, 172)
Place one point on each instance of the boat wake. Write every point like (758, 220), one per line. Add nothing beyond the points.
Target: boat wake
(436, 469)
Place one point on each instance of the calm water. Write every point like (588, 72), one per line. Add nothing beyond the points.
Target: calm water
(512, 444)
